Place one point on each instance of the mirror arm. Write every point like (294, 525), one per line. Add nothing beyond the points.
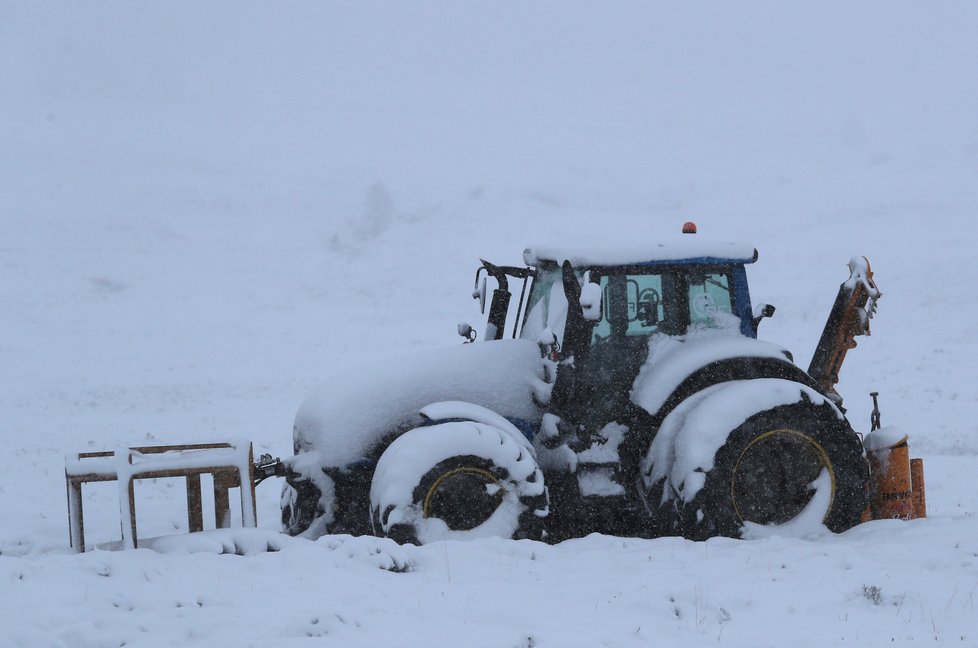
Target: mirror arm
(497, 273)
(762, 311)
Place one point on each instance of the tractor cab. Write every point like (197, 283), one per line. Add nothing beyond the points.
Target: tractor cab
(598, 312)
(634, 295)
(634, 301)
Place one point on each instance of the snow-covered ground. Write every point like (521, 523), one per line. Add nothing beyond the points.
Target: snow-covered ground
(205, 207)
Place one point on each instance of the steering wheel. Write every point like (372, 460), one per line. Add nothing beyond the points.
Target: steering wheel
(647, 311)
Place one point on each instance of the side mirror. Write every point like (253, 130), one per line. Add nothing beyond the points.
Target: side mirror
(465, 330)
(761, 311)
(590, 299)
(480, 294)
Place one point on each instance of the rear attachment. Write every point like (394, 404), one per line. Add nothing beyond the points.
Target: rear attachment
(897, 481)
(854, 307)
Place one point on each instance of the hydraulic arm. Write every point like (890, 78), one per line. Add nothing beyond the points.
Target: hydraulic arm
(854, 307)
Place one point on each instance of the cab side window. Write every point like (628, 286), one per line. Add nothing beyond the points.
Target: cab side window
(709, 299)
(631, 305)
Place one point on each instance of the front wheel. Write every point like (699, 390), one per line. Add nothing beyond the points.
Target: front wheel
(300, 506)
(457, 480)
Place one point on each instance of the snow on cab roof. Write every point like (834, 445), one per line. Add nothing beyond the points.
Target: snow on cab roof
(689, 249)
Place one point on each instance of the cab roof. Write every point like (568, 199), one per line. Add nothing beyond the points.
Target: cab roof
(688, 250)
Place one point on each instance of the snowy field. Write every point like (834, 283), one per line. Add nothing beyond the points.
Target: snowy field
(206, 207)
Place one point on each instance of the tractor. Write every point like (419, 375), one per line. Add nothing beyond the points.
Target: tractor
(625, 393)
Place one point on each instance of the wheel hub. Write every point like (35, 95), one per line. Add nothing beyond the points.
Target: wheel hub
(770, 483)
(463, 498)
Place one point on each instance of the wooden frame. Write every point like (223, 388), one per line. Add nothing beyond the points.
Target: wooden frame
(229, 464)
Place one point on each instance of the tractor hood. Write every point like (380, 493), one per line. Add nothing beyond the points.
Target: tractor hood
(346, 417)
(672, 359)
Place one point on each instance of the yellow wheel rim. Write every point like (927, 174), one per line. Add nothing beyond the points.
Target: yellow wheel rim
(823, 456)
(465, 470)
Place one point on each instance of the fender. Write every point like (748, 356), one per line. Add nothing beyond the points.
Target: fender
(678, 367)
(443, 410)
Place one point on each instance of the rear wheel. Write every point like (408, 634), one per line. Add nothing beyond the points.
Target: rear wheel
(457, 480)
(770, 482)
(772, 469)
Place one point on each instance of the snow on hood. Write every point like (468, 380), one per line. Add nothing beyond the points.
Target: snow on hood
(352, 410)
(672, 359)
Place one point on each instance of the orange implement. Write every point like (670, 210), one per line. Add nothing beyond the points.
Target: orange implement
(897, 483)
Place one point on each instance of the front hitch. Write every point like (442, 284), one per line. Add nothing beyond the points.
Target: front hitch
(268, 466)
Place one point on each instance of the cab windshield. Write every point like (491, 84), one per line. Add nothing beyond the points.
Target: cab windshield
(546, 307)
(639, 304)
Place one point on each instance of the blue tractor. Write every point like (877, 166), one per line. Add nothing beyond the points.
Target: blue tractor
(624, 392)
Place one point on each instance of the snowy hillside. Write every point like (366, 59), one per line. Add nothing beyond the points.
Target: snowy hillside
(206, 207)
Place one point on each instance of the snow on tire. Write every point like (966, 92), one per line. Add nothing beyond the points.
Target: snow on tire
(457, 480)
(751, 453)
